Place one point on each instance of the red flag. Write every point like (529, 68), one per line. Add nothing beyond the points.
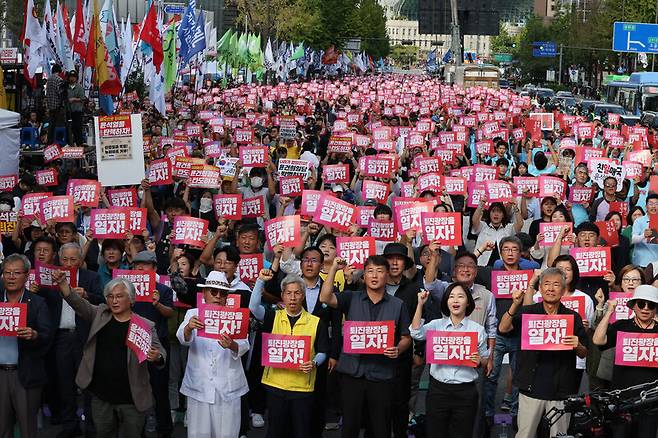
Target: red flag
(151, 36)
(67, 22)
(330, 56)
(79, 38)
(90, 53)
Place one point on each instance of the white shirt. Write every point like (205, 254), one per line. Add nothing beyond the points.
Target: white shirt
(486, 232)
(67, 316)
(210, 367)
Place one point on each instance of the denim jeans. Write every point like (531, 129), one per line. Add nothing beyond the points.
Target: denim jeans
(504, 344)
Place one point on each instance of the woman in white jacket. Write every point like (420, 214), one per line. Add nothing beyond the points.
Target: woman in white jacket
(214, 379)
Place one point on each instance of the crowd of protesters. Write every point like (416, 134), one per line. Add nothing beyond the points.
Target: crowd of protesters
(495, 165)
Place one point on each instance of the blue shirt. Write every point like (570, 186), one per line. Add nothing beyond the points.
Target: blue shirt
(453, 374)
(524, 264)
(8, 350)
(312, 295)
(644, 253)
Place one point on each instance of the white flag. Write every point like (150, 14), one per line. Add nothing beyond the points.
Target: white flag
(269, 56)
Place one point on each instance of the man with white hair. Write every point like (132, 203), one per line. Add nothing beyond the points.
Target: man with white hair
(110, 371)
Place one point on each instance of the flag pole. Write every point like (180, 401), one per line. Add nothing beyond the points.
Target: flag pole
(132, 58)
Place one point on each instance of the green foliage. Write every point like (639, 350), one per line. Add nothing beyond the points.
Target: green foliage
(403, 55)
(504, 42)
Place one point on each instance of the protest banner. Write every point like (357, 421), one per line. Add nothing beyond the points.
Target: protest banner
(138, 338)
(339, 144)
(368, 337)
(47, 177)
(429, 181)
(622, 311)
(291, 186)
(287, 128)
(503, 283)
(608, 232)
(253, 207)
(454, 185)
(190, 230)
(484, 147)
(375, 166)
(161, 172)
(44, 275)
(212, 149)
(310, 200)
(546, 120)
(364, 214)
(51, 153)
(355, 250)
(290, 167)
(144, 282)
(12, 317)
(285, 351)
(483, 173)
(57, 208)
(376, 190)
(575, 303)
(601, 168)
(613, 119)
(476, 193)
(552, 186)
(545, 332)
(498, 191)
(451, 347)
(122, 197)
(137, 219)
(407, 217)
(8, 221)
(228, 206)
(85, 192)
(227, 166)
(382, 230)
(632, 169)
(222, 320)
(204, 176)
(254, 156)
(442, 227)
(31, 205)
(447, 156)
(109, 223)
(334, 213)
(285, 231)
(336, 173)
(182, 166)
(8, 182)
(428, 164)
(592, 262)
(551, 231)
(526, 185)
(244, 136)
(580, 195)
(119, 149)
(249, 267)
(636, 349)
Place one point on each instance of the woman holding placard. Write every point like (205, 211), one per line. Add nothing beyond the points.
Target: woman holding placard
(452, 393)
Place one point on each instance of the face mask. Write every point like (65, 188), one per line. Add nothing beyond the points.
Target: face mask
(5, 207)
(256, 182)
(205, 205)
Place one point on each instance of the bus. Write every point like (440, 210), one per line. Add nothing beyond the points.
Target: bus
(638, 94)
(472, 75)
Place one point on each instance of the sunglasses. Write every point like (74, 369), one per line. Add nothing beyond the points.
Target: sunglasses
(215, 292)
(643, 304)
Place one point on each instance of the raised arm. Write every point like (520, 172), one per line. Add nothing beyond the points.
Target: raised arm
(327, 295)
(600, 336)
(255, 305)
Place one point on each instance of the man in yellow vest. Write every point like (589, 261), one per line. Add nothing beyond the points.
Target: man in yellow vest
(290, 391)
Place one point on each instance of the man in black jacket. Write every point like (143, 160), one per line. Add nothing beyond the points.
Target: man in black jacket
(71, 333)
(22, 367)
(545, 378)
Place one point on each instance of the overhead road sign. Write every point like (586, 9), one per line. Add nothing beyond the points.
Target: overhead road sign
(635, 37)
(544, 49)
(174, 8)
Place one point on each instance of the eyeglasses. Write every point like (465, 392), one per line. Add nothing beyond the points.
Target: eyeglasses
(515, 249)
(115, 297)
(644, 304)
(652, 204)
(13, 274)
(631, 279)
(214, 292)
(310, 260)
(465, 266)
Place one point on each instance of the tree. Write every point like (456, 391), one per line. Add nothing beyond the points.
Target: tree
(504, 42)
(403, 55)
(368, 22)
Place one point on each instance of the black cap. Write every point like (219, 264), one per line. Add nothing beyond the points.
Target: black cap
(395, 248)
(587, 226)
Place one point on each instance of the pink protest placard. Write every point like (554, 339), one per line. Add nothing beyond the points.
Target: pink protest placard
(429, 181)
(285, 351)
(336, 173)
(529, 183)
(428, 164)
(355, 250)
(122, 197)
(334, 213)
(552, 186)
(291, 186)
(244, 136)
(253, 207)
(498, 191)
(161, 172)
(552, 229)
(47, 177)
(376, 190)
(504, 282)
(136, 219)
(451, 348)
(577, 304)
(339, 144)
(57, 208)
(608, 232)
(407, 217)
(637, 349)
(580, 195)
(8, 182)
(592, 262)
(545, 332)
(254, 156)
(454, 185)
(52, 152)
(204, 176)
(622, 311)
(382, 230)
(12, 317)
(219, 320)
(190, 230)
(284, 230)
(138, 338)
(483, 173)
(85, 192)
(249, 267)
(375, 166)
(228, 206)
(444, 227)
(144, 282)
(109, 223)
(368, 337)
(310, 200)
(44, 275)
(31, 204)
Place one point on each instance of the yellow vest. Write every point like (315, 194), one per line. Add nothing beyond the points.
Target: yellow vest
(291, 379)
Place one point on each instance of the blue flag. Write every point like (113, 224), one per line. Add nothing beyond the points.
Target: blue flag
(197, 37)
(448, 56)
(431, 57)
(187, 26)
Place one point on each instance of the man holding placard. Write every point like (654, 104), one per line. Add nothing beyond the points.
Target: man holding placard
(369, 368)
(552, 336)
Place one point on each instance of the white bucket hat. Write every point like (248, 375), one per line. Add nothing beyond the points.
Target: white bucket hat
(217, 280)
(644, 292)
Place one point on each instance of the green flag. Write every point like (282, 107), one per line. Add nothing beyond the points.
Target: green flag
(254, 52)
(224, 43)
(243, 51)
(169, 49)
(299, 52)
(231, 55)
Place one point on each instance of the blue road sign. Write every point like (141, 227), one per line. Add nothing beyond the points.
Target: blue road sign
(635, 37)
(544, 49)
(174, 9)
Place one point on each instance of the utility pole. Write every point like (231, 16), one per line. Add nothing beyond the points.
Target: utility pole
(456, 38)
(559, 77)
(653, 57)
